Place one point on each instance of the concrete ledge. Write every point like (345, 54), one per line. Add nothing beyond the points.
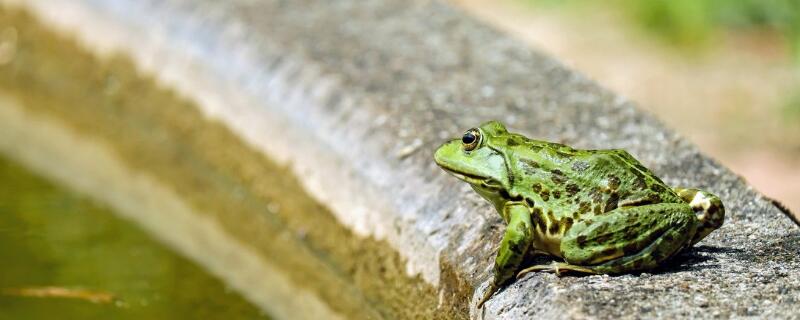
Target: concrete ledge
(354, 96)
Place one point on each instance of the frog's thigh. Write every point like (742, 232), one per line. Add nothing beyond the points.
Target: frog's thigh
(629, 238)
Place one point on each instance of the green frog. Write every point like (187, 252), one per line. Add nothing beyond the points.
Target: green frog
(598, 211)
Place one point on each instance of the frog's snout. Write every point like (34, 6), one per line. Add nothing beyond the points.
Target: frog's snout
(444, 153)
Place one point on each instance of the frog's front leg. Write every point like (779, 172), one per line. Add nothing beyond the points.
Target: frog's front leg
(516, 241)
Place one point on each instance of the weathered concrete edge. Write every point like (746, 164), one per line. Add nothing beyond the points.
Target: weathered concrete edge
(142, 199)
(179, 64)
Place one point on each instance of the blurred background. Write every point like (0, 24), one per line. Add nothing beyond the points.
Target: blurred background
(725, 74)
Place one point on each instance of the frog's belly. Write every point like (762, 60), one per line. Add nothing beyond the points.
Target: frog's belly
(547, 242)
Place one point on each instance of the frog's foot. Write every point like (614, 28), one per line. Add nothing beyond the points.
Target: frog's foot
(707, 207)
(557, 268)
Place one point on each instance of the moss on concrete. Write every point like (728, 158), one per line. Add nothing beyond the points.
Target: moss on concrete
(165, 136)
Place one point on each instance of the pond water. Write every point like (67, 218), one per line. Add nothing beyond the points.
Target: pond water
(64, 256)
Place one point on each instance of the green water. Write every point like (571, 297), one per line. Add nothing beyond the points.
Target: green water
(51, 237)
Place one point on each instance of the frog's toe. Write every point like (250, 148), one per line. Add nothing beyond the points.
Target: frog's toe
(488, 294)
(557, 268)
(543, 267)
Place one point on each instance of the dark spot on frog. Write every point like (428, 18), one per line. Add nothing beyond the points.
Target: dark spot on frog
(584, 207)
(588, 222)
(631, 234)
(558, 177)
(511, 142)
(536, 148)
(563, 155)
(613, 182)
(536, 187)
(535, 220)
(545, 195)
(640, 182)
(538, 219)
(657, 188)
(553, 227)
(529, 166)
(598, 210)
(516, 247)
(630, 248)
(580, 166)
(556, 194)
(611, 203)
(581, 240)
(572, 189)
(610, 251)
(602, 238)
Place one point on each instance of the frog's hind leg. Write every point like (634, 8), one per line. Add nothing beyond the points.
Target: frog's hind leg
(708, 208)
(629, 239)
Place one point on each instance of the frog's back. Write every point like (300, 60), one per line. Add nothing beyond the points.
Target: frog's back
(574, 182)
(624, 179)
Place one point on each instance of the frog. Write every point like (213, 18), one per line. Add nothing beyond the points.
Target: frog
(591, 211)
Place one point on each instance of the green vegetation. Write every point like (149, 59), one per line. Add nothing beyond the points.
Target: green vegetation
(791, 110)
(693, 23)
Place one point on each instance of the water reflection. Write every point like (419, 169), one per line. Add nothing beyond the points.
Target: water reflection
(63, 255)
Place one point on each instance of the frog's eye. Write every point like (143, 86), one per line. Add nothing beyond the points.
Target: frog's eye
(471, 139)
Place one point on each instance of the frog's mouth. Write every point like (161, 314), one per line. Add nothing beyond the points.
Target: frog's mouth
(474, 179)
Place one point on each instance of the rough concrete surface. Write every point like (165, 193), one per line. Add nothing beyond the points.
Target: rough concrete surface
(356, 95)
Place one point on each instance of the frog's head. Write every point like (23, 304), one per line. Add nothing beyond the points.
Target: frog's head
(472, 160)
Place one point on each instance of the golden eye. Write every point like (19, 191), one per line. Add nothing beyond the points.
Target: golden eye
(471, 139)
